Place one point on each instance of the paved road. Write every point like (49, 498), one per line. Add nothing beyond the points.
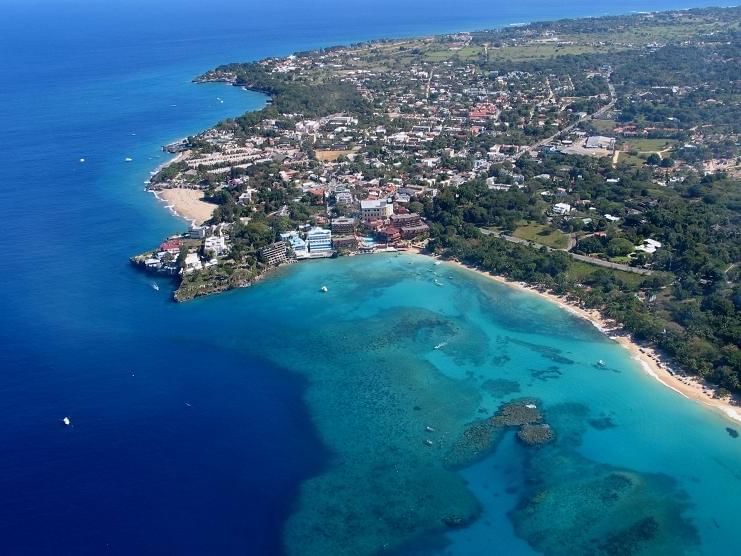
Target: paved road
(584, 258)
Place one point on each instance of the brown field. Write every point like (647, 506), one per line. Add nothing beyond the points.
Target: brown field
(331, 156)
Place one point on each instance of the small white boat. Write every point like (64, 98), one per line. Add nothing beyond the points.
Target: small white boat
(530, 406)
(155, 287)
(437, 263)
(438, 283)
(442, 345)
(429, 429)
(601, 364)
(82, 160)
(324, 289)
(128, 159)
(66, 422)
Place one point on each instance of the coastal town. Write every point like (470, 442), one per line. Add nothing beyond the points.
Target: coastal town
(552, 154)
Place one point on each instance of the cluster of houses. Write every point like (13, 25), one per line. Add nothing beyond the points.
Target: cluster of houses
(200, 248)
(377, 228)
(435, 124)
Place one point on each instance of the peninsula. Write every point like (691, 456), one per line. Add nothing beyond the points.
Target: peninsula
(596, 159)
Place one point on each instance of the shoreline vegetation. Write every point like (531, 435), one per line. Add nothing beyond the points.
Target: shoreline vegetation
(651, 360)
(541, 168)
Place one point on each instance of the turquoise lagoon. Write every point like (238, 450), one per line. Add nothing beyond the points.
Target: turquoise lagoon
(388, 352)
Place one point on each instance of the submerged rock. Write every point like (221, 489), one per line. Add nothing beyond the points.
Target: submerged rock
(455, 521)
(478, 439)
(733, 433)
(576, 506)
(517, 413)
(481, 437)
(535, 434)
(602, 423)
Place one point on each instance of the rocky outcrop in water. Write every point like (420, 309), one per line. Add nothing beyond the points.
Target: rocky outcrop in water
(482, 437)
(535, 434)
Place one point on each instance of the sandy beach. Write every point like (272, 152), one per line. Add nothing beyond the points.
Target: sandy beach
(187, 203)
(651, 361)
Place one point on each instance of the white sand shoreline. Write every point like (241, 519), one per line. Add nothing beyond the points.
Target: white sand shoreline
(182, 202)
(648, 358)
(186, 204)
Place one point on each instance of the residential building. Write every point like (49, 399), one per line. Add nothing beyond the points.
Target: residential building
(214, 244)
(649, 246)
(405, 220)
(562, 209)
(343, 198)
(319, 242)
(389, 235)
(343, 225)
(275, 253)
(197, 232)
(418, 230)
(192, 263)
(297, 244)
(376, 209)
(344, 242)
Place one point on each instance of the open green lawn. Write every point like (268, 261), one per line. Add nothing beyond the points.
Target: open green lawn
(603, 126)
(631, 160)
(581, 271)
(650, 145)
(545, 235)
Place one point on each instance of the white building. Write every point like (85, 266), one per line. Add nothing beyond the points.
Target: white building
(246, 197)
(600, 142)
(297, 244)
(343, 198)
(562, 209)
(376, 209)
(197, 232)
(649, 246)
(319, 242)
(192, 263)
(215, 244)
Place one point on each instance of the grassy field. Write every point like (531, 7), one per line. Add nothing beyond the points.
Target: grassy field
(581, 271)
(631, 160)
(542, 234)
(603, 126)
(650, 145)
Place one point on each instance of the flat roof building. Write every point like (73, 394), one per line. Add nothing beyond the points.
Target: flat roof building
(376, 209)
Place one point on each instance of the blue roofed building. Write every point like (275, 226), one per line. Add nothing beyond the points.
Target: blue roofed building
(297, 244)
(319, 242)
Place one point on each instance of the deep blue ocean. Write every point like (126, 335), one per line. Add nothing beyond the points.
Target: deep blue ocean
(188, 437)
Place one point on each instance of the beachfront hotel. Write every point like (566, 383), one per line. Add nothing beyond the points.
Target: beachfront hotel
(298, 245)
(376, 209)
(319, 242)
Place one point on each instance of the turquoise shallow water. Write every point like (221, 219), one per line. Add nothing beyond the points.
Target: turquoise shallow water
(375, 381)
